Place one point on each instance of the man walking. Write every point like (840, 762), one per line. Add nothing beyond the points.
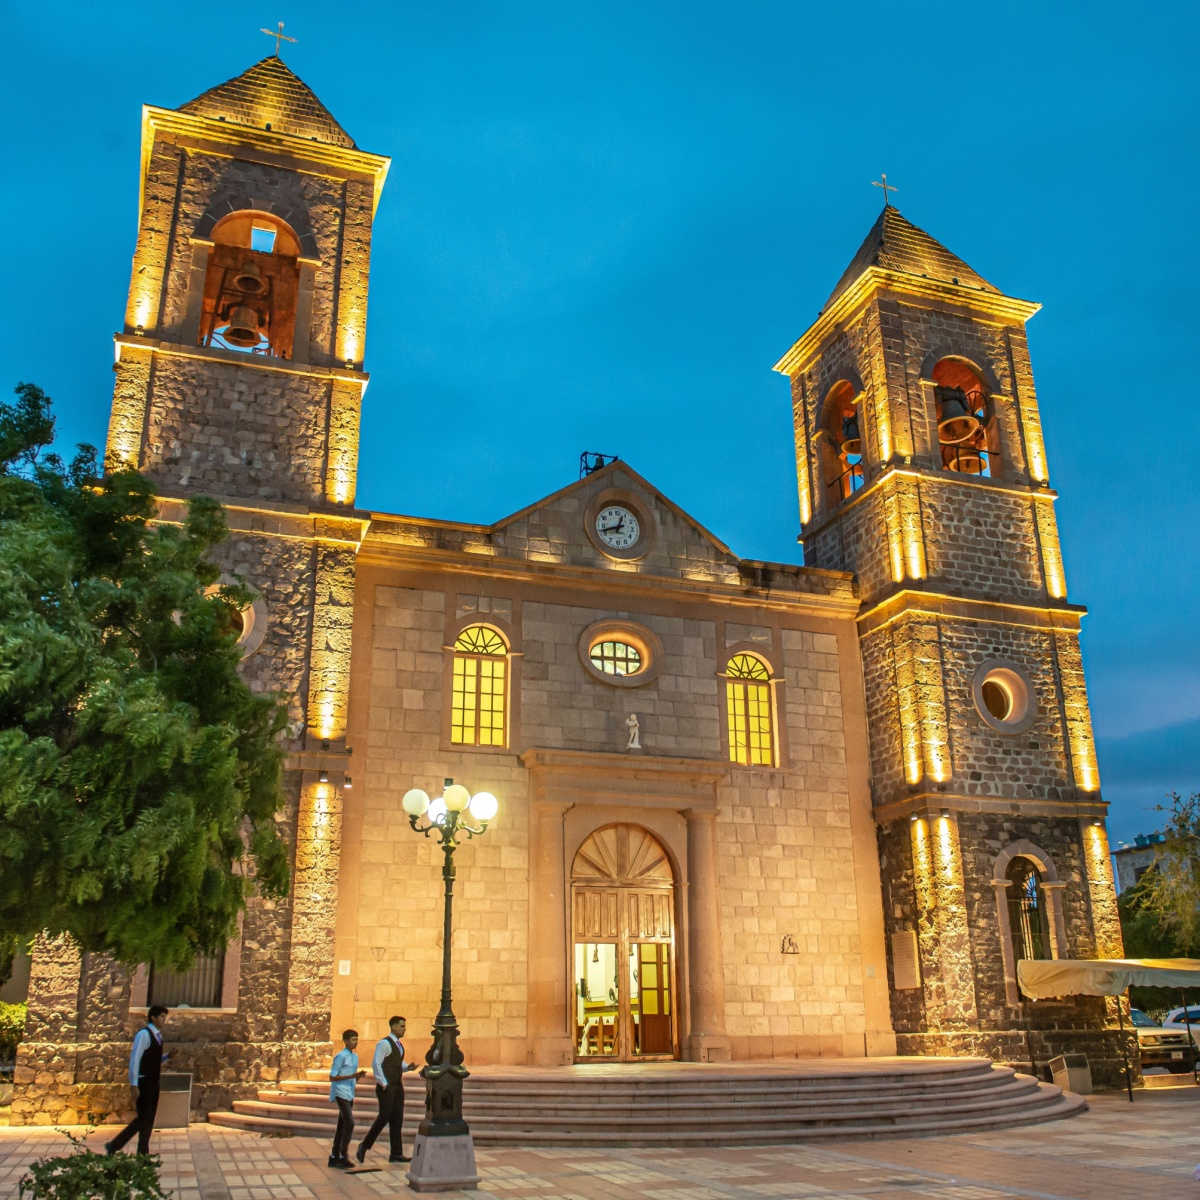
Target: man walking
(145, 1068)
(343, 1077)
(388, 1067)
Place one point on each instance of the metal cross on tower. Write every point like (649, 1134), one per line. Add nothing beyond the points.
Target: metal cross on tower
(280, 36)
(887, 187)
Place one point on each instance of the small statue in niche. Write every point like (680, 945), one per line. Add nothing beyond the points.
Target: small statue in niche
(631, 724)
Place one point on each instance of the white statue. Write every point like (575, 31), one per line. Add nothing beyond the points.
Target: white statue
(631, 724)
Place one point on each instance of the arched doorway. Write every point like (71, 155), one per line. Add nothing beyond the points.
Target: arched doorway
(623, 943)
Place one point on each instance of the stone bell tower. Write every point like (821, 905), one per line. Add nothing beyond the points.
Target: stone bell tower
(922, 470)
(239, 375)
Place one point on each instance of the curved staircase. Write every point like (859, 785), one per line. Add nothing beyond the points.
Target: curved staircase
(688, 1104)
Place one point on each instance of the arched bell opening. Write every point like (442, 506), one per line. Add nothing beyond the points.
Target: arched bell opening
(622, 950)
(841, 442)
(966, 427)
(251, 285)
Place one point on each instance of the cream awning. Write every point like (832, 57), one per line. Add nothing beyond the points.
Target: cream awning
(1041, 979)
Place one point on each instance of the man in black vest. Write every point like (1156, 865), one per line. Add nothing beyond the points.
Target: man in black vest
(388, 1067)
(145, 1067)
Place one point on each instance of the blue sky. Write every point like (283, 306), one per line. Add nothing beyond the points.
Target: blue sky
(604, 223)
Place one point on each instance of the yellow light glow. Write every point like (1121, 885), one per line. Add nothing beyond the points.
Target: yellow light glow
(802, 480)
(883, 425)
(891, 519)
(1052, 564)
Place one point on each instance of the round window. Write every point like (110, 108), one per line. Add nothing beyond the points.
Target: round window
(620, 653)
(1003, 696)
(615, 657)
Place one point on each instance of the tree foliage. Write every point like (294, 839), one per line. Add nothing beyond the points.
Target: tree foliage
(1168, 894)
(139, 775)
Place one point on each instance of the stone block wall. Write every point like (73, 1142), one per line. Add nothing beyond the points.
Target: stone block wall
(923, 1022)
(1031, 764)
(213, 426)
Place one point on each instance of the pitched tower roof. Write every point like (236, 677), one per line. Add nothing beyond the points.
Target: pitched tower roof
(895, 244)
(269, 93)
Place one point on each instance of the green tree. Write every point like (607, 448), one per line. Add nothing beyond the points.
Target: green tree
(139, 775)
(1169, 893)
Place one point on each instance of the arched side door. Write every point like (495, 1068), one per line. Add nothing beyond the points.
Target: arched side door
(623, 960)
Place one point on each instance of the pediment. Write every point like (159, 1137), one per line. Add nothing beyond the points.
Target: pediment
(569, 527)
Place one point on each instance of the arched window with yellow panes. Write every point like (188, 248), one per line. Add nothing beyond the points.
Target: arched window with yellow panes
(479, 688)
(748, 709)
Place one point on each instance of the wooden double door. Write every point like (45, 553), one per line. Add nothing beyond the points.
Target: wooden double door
(622, 956)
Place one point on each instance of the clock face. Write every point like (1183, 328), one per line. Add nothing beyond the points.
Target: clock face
(617, 527)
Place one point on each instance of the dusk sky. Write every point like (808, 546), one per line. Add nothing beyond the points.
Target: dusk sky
(605, 222)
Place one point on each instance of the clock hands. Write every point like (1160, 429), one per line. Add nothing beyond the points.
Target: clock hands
(613, 528)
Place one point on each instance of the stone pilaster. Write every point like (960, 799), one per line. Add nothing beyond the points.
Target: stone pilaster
(706, 1041)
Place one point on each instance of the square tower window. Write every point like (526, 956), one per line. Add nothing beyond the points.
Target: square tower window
(262, 240)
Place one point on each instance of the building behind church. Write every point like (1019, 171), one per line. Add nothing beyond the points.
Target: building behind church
(860, 789)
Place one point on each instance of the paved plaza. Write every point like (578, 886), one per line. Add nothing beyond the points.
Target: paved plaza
(1116, 1151)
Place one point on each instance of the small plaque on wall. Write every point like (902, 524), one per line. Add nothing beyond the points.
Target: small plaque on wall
(906, 969)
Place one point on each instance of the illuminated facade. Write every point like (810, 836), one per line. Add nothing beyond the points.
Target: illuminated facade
(696, 802)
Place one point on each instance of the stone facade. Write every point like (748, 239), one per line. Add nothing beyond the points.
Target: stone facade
(844, 890)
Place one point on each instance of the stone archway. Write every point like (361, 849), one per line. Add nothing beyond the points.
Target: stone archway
(622, 947)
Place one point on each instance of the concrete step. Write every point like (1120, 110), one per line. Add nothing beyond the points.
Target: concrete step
(1003, 1083)
(1052, 1105)
(763, 1090)
(679, 1118)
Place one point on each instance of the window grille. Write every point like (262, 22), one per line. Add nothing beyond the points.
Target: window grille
(197, 987)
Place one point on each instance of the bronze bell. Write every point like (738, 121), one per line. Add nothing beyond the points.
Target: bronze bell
(243, 328)
(851, 438)
(969, 460)
(249, 279)
(956, 421)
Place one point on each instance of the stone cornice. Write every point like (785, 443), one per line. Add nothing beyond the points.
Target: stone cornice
(629, 778)
(929, 804)
(1005, 309)
(916, 601)
(140, 343)
(555, 574)
(274, 149)
(277, 519)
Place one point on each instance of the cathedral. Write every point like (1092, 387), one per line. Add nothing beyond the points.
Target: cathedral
(747, 810)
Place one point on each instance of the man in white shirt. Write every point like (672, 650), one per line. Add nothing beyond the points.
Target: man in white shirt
(388, 1067)
(145, 1066)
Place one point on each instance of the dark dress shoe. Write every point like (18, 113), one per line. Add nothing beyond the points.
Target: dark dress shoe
(334, 1161)
(361, 1154)
(399, 1158)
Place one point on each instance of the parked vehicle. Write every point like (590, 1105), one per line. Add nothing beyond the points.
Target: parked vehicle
(1162, 1047)
(1174, 1020)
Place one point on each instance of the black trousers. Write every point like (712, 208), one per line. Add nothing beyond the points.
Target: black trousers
(391, 1114)
(345, 1129)
(143, 1123)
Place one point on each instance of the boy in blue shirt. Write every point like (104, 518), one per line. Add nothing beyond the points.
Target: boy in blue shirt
(343, 1075)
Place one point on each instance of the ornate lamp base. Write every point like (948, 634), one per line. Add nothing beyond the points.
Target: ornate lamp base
(443, 1164)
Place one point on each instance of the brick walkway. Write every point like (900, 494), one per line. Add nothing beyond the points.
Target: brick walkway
(1117, 1151)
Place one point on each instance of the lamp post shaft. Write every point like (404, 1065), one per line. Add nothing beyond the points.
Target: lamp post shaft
(447, 924)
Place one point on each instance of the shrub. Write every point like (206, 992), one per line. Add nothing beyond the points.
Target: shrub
(12, 1029)
(96, 1176)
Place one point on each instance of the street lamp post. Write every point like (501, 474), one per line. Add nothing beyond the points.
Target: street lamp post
(443, 1151)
